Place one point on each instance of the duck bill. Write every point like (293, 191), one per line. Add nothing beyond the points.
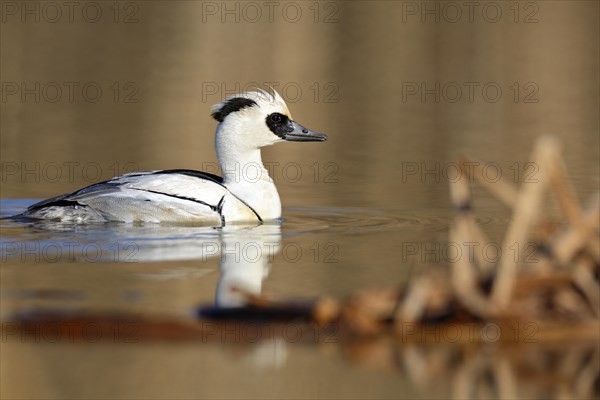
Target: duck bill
(302, 134)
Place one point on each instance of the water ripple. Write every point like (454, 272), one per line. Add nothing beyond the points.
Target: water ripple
(356, 220)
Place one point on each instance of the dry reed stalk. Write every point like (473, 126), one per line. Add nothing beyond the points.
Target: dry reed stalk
(525, 214)
(464, 279)
(460, 194)
(412, 308)
(579, 235)
(564, 191)
(501, 189)
(583, 278)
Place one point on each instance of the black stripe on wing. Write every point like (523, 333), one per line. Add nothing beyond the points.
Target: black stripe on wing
(59, 201)
(195, 174)
(54, 202)
(214, 208)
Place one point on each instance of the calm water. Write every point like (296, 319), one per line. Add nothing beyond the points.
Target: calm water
(369, 208)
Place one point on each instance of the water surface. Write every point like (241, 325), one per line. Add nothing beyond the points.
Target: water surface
(369, 208)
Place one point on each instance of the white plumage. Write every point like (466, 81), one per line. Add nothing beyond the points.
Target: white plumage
(247, 122)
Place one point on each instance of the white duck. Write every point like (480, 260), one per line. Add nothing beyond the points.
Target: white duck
(246, 193)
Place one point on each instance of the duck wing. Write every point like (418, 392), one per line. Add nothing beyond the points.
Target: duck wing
(149, 196)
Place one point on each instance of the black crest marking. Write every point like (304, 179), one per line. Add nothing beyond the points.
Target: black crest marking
(232, 105)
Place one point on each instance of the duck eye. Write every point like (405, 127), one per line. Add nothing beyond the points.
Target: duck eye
(279, 124)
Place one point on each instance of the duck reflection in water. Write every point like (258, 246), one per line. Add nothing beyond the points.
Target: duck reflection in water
(246, 256)
(245, 251)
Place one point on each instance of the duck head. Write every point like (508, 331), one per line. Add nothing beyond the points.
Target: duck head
(256, 119)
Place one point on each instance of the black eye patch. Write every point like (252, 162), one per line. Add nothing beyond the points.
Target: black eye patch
(279, 124)
(232, 105)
